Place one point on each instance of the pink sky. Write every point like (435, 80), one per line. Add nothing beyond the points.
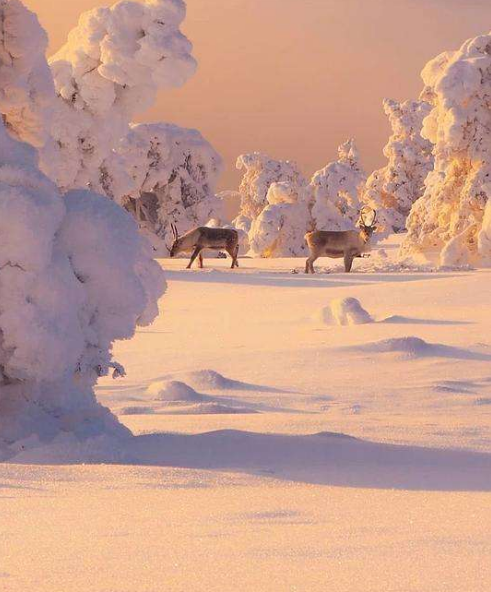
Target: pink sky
(295, 78)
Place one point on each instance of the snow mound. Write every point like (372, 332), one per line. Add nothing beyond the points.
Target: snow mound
(210, 379)
(411, 346)
(209, 408)
(345, 311)
(173, 391)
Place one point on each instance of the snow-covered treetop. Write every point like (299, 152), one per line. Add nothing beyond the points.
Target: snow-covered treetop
(448, 218)
(393, 189)
(110, 69)
(336, 189)
(26, 91)
(260, 171)
(123, 55)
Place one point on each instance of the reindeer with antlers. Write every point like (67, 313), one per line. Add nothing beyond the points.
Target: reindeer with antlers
(200, 238)
(347, 244)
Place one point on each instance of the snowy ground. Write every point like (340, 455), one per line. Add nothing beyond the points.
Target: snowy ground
(297, 455)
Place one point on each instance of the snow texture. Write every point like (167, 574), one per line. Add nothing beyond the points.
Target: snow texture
(392, 190)
(448, 221)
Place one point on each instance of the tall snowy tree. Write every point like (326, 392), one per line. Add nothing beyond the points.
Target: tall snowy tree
(447, 221)
(74, 273)
(336, 190)
(393, 189)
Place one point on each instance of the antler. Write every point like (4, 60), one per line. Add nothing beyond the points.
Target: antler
(174, 230)
(365, 210)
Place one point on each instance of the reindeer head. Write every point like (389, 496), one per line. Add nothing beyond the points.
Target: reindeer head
(176, 245)
(367, 222)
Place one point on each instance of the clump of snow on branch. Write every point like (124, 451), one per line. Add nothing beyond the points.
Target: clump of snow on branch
(345, 311)
(393, 189)
(336, 190)
(280, 228)
(449, 221)
(174, 172)
(27, 91)
(110, 69)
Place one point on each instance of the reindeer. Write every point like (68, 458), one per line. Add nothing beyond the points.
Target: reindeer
(347, 244)
(203, 237)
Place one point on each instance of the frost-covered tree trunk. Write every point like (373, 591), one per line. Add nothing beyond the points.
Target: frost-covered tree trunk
(392, 190)
(174, 172)
(280, 228)
(74, 273)
(336, 190)
(447, 222)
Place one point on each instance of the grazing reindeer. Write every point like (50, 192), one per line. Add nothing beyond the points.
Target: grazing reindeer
(347, 244)
(203, 237)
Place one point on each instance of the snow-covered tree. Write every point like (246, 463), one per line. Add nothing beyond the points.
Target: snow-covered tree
(448, 220)
(280, 228)
(173, 172)
(260, 171)
(110, 69)
(393, 189)
(336, 190)
(75, 275)
(27, 91)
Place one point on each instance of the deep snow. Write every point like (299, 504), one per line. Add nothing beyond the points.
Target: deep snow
(342, 457)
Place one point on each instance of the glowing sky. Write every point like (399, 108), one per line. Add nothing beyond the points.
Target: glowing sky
(295, 78)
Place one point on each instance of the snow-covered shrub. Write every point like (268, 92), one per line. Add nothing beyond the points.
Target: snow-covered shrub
(280, 228)
(75, 275)
(110, 69)
(393, 189)
(345, 311)
(260, 171)
(448, 219)
(174, 172)
(336, 190)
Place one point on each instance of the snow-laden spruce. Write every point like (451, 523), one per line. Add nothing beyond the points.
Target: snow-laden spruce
(392, 190)
(110, 69)
(75, 275)
(174, 173)
(448, 221)
(336, 190)
(280, 228)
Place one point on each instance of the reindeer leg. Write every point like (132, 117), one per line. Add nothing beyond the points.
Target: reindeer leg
(309, 264)
(231, 252)
(348, 262)
(237, 256)
(196, 252)
(200, 261)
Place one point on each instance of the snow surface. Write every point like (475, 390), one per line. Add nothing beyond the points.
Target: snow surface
(362, 469)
